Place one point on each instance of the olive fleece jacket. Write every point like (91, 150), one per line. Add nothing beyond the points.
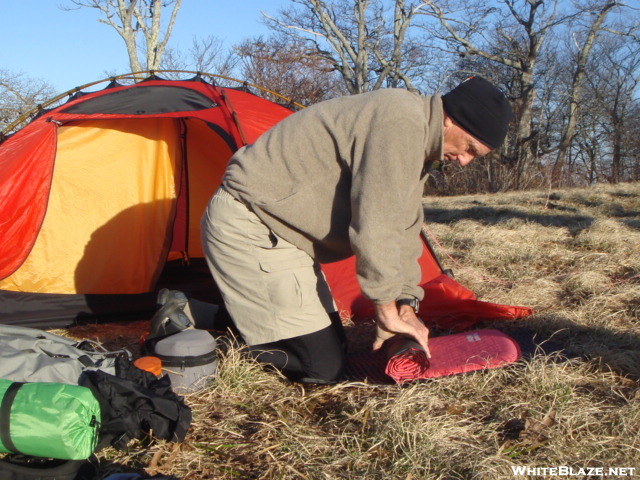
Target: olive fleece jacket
(346, 177)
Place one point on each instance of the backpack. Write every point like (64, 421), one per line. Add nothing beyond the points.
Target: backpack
(133, 403)
(32, 355)
(137, 476)
(18, 467)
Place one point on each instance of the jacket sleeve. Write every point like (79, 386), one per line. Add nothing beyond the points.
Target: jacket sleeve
(386, 202)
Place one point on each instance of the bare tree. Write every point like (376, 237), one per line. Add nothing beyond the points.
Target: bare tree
(205, 55)
(366, 41)
(133, 19)
(584, 42)
(508, 33)
(613, 86)
(634, 143)
(590, 140)
(290, 69)
(19, 95)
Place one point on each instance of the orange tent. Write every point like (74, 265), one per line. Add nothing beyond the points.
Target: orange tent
(100, 195)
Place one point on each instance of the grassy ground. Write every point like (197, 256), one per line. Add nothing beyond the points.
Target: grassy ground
(572, 255)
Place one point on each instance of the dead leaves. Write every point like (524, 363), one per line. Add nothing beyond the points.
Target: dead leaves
(522, 436)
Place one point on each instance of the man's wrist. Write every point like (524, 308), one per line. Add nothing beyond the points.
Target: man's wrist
(413, 302)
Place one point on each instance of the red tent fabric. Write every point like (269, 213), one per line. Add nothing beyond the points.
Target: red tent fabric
(445, 302)
(25, 176)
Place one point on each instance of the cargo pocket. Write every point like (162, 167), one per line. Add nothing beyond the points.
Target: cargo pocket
(289, 275)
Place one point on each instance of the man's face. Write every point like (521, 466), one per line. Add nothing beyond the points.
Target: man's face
(459, 146)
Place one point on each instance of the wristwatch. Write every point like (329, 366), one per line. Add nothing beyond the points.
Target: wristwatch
(412, 302)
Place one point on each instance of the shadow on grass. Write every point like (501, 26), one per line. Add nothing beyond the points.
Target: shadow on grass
(493, 216)
(616, 351)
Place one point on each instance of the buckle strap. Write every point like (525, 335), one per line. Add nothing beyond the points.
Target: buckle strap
(5, 416)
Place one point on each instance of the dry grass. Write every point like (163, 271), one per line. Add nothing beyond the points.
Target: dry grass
(572, 255)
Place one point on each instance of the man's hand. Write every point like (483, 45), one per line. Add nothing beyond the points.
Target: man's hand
(391, 321)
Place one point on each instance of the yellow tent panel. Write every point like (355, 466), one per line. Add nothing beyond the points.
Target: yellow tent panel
(112, 193)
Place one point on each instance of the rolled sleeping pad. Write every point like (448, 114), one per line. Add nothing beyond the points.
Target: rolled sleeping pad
(450, 355)
(50, 420)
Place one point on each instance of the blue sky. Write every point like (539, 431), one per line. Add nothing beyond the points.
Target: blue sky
(71, 48)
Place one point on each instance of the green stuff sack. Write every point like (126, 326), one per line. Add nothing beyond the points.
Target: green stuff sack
(51, 420)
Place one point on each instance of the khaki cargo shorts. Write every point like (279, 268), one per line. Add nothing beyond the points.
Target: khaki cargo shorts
(271, 288)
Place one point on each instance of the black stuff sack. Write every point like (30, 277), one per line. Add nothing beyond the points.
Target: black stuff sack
(135, 404)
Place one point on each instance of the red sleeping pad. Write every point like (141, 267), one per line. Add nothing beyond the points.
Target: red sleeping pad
(450, 355)
(402, 360)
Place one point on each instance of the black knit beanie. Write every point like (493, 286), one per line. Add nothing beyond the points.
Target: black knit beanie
(480, 109)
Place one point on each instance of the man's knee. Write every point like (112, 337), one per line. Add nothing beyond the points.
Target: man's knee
(318, 357)
(322, 354)
(329, 371)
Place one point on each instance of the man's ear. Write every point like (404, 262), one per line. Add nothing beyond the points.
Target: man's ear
(447, 121)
